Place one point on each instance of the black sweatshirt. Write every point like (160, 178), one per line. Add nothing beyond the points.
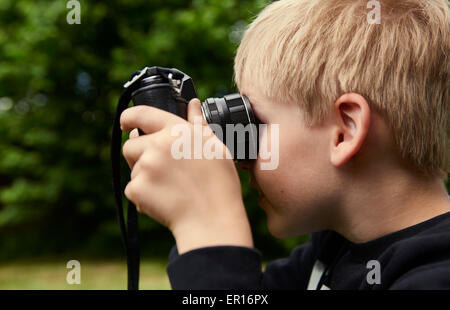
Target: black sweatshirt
(417, 257)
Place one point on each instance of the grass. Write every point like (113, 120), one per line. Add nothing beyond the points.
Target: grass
(95, 275)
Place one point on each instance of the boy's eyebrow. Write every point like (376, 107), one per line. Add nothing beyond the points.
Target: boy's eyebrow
(246, 94)
(250, 99)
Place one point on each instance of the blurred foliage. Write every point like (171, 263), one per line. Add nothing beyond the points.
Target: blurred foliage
(59, 85)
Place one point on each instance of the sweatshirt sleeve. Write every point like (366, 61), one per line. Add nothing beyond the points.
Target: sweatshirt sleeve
(233, 267)
(215, 268)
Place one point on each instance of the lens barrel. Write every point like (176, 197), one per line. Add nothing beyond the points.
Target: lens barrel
(234, 115)
(231, 114)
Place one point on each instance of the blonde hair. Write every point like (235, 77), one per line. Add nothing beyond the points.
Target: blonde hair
(313, 51)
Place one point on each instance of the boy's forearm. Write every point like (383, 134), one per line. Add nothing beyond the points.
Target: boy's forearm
(226, 228)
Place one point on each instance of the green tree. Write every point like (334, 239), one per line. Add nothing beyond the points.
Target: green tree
(59, 85)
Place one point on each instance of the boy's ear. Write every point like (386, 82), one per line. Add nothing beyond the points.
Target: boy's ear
(351, 115)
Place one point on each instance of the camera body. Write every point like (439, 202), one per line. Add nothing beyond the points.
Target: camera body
(171, 90)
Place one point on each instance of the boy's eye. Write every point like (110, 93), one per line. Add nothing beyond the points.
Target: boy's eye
(258, 114)
(256, 109)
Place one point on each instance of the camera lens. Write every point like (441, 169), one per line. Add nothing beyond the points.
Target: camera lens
(234, 115)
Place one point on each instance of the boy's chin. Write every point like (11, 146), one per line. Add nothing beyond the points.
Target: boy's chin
(286, 226)
(278, 228)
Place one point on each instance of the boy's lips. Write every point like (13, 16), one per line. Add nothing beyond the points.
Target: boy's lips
(261, 199)
(255, 186)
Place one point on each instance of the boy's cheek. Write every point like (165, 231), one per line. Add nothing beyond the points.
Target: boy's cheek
(293, 192)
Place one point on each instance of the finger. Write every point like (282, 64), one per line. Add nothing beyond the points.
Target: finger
(134, 133)
(133, 149)
(194, 112)
(145, 197)
(146, 118)
(133, 192)
(137, 169)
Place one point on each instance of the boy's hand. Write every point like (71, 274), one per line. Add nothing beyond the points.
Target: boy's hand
(199, 200)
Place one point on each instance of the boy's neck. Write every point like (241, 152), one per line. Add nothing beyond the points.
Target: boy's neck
(397, 201)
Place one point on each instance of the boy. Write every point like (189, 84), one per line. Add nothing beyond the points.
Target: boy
(363, 115)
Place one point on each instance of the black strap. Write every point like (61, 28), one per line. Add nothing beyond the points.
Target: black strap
(129, 238)
(130, 231)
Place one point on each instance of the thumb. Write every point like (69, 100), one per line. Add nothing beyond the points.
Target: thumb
(194, 111)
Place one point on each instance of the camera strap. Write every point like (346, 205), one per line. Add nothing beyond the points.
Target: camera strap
(130, 231)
